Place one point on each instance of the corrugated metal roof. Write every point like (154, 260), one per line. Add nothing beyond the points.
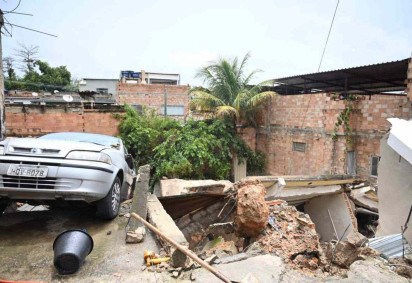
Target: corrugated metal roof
(391, 246)
(369, 79)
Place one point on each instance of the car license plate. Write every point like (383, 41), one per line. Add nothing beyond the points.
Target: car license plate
(28, 171)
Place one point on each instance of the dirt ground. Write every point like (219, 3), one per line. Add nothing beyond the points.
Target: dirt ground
(26, 248)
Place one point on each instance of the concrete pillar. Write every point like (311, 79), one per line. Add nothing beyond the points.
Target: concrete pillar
(239, 169)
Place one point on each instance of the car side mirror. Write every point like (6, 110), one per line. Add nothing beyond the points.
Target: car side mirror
(129, 161)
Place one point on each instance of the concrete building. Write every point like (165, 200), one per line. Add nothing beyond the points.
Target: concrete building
(168, 100)
(98, 85)
(395, 179)
(144, 77)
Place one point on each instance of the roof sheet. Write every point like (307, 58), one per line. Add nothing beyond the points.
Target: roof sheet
(369, 79)
(391, 246)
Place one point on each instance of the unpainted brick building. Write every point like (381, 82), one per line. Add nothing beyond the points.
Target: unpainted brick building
(36, 120)
(156, 96)
(297, 142)
(296, 130)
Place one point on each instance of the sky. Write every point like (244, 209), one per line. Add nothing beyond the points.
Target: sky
(99, 38)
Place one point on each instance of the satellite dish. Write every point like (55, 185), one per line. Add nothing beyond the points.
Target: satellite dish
(34, 94)
(67, 98)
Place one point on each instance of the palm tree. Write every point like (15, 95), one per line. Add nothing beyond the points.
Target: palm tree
(229, 93)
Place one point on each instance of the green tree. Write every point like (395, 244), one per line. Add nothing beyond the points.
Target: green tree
(228, 91)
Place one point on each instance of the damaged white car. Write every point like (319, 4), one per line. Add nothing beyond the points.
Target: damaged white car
(68, 166)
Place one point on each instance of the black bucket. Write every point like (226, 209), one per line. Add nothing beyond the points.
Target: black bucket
(70, 249)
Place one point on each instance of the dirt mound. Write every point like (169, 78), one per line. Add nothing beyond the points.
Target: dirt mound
(252, 211)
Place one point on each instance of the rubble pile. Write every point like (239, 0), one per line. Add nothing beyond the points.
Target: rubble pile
(291, 235)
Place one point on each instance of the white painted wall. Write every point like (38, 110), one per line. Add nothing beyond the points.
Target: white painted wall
(318, 207)
(394, 191)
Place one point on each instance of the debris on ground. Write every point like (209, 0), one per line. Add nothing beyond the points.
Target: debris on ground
(292, 236)
(136, 236)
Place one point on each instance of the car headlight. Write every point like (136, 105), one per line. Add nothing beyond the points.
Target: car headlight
(1, 150)
(90, 155)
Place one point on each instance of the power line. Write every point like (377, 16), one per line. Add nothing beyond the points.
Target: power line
(6, 12)
(321, 59)
(32, 29)
(18, 13)
(327, 38)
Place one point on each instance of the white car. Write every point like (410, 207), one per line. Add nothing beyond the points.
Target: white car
(67, 166)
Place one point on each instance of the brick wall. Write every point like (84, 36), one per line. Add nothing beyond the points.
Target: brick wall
(310, 119)
(154, 95)
(34, 120)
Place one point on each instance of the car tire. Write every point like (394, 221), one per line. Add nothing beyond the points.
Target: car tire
(108, 207)
(3, 205)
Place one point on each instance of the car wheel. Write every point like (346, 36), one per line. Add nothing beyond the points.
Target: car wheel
(3, 205)
(108, 207)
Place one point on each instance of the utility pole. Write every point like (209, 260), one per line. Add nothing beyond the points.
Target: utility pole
(2, 109)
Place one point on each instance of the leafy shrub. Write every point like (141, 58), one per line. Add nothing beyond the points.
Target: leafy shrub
(196, 149)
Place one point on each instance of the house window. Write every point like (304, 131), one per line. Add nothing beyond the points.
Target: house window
(351, 162)
(299, 146)
(173, 110)
(138, 108)
(102, 90)
(374, 165)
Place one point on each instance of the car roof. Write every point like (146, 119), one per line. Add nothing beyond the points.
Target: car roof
(84, 137)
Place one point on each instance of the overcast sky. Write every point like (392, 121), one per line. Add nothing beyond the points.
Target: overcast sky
(99, 38)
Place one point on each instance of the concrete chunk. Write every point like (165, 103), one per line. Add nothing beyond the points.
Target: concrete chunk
(159, 218)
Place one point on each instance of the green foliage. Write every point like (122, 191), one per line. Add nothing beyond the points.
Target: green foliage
(343, 119)
(196, 149)
(228, 92)
(45, 78)
(142, 133)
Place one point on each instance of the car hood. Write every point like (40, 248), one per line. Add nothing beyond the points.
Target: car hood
(46, 147)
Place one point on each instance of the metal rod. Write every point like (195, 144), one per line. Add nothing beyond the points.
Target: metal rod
(333, 224)
(183, 249)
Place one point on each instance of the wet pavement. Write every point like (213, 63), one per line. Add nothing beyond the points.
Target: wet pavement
(26, 248)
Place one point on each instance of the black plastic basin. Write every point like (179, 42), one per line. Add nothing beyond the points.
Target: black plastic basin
(70, 249)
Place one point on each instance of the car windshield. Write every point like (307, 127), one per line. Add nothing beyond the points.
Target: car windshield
(84, 137)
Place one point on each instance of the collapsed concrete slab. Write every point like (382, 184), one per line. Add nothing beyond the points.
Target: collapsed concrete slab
(172, 187)
(332, 214)
(159, 218)
(299, 189)
(365, 197)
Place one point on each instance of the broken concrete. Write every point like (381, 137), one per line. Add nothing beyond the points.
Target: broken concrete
(252, 211)
(298, 195)
(171, 187)
(159, 218)
(136, 236)
(288, 237)
(365, 197)
(340, 211)
(371, 271)
(266, 268)
(139, 201)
